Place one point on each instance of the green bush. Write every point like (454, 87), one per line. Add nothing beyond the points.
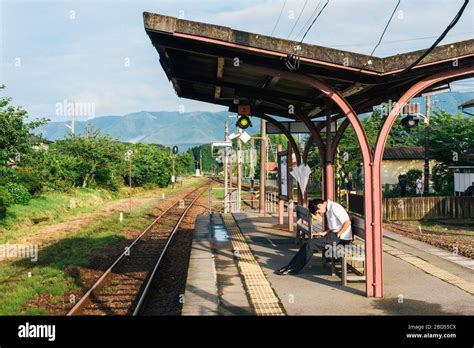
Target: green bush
(29, 180)
(18, 193)
(3, 210)
(412, 175)
(7, 175)
(5, 197)
(5, 201)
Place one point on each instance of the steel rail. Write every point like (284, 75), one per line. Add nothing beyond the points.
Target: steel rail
(155, 268)
(86, 297)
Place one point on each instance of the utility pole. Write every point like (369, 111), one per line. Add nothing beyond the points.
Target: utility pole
(252, 170)
(130, 183)
(426, 188)
(226, 162)
(230, 180)
(268, 149)
(128, 157)
(73, 121)
(173, 178)
(263, 165)
(239, 170)
(200, 160)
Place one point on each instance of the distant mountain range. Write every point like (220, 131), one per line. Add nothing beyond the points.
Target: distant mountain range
(192, 128)
(446, 101)
(166, 128)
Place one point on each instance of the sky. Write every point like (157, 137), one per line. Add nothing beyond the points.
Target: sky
(97, 52)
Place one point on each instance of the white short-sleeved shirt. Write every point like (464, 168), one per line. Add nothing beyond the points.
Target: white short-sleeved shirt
(336, 215)
(419, 183)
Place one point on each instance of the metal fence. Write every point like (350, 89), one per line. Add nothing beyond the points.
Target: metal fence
(233, 202)
(271, 202)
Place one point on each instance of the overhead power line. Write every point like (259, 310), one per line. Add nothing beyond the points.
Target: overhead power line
(310, 18)
(314, 21)
(292, 61)
(441, 37)
(395, 41)
(298, 19)
(279, 17)
(385, 29)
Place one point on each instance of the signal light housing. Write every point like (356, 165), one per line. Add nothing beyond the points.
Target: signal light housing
(410, 121)
(243, 122)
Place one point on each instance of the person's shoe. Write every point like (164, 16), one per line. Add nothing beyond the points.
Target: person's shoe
(286, 270)
(283, 270)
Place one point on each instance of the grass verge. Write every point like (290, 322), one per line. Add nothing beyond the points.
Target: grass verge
(44, 287)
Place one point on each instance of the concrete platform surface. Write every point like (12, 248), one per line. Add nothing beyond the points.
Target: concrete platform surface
(408, 289)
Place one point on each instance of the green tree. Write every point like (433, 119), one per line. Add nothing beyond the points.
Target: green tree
(151, 165)
(185, 163)
(411, 177)
(15, 132)
(349, 154)
(82, 162)
(209, 164)
(349, 147)
(451, 136)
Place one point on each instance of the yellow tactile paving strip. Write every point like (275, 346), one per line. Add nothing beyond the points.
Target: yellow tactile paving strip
(260, 293)
(430, 269)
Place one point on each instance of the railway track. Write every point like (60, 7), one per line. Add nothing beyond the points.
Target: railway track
(124, 286)
(245, 187)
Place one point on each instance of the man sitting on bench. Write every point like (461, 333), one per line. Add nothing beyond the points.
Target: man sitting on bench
(339, 232)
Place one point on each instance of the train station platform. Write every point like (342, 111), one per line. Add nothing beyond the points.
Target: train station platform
(419, 279)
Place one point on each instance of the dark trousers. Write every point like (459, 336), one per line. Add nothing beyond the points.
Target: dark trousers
(311, 246)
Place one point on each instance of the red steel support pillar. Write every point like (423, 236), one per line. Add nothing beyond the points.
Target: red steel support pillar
(291, 205)
(263, 165)
(329, 184)
(371, 162)
(281, 202)
(373, 251)
(378, 154)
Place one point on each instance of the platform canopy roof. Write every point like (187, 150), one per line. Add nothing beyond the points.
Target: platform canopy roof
(218, 65)
(468, 104)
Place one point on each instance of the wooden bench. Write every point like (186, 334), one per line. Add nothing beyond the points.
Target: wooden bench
(303, 224)
(351, 256)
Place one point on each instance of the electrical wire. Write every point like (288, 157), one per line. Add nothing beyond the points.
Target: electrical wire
(292, 61)
(279, 17)
(298, 19)
(309, 20)
(385, 29)
(440, 38)
(314, 21)
(394, 41)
